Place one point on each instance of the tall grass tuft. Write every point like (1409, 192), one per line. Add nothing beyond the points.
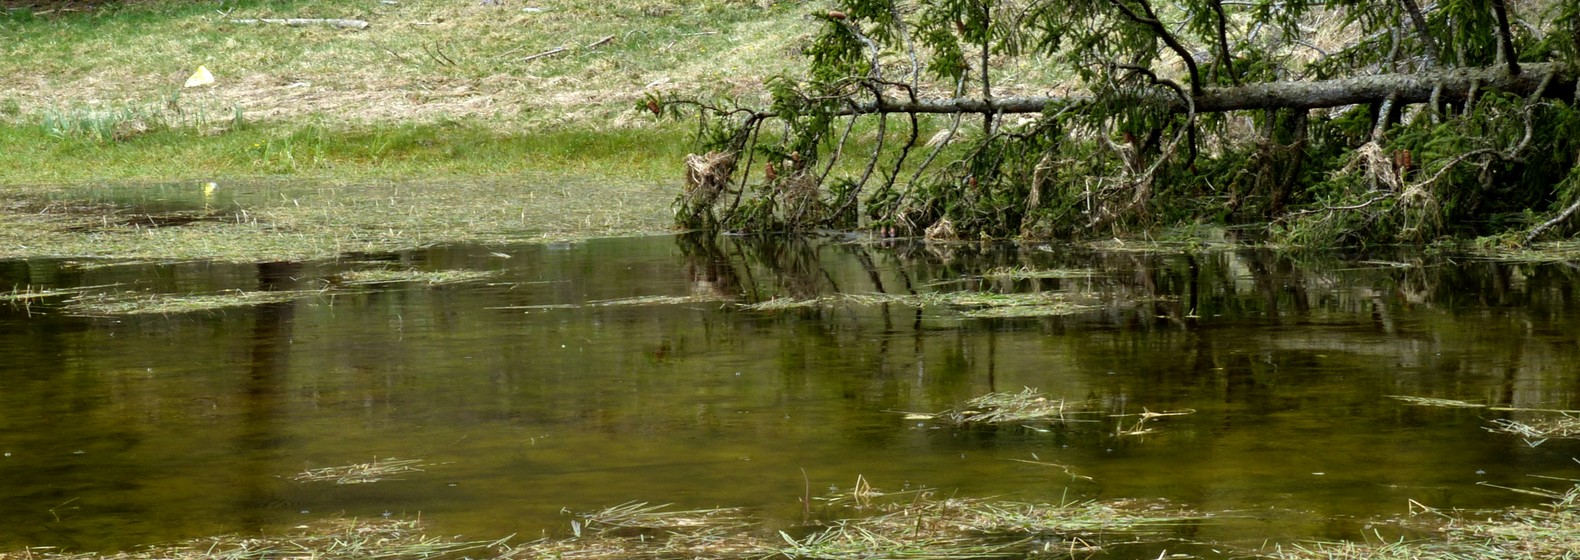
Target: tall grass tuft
(116, 123)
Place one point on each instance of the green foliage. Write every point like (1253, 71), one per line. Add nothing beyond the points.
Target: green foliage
(1127, 151)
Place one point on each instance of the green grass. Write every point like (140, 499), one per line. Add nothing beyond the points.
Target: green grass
(418, 59)
(432, 88)
(84, 147)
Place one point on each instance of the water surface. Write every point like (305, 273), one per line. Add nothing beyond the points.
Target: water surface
(537, 391)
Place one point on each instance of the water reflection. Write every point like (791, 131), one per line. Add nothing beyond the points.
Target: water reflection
(531, 392)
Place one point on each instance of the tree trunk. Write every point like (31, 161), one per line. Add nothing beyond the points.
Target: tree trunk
(1456, 85)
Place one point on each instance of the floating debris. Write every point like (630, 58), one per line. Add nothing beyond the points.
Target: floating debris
(1029, 273)
(653, 300)
(130, 303)
(1443, 403)
(1004, 408)
(622, 302)
(1564, 426)
(978, 304)
(1025, 311)
(28, 293)
(641, 515)
(429, 277)
(1141, 426)
(914, 527)
(361, 473)
(782, 304)
(1515, 534)
(391, 539)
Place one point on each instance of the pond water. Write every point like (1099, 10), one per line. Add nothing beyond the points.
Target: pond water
(543, 389)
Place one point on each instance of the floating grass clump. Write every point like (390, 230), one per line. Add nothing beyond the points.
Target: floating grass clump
(1547, 423)
(361, 473)
(653, 300)
(639, 301)
(429, 277)
(1542, 533)
(641, 515)
(915, 527)
(1029, 407)
(1562, 427)
(391, 539)
(130, 303)
(1003, 408)
(1441, 403)
(1536, 253)
(969, 304)
(1029, 273)
(787, 303)
(641, 530)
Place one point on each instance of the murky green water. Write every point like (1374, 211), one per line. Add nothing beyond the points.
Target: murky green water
(528, 394)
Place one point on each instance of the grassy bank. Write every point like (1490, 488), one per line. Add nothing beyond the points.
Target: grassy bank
(313, 149)
(96, 90)
(440, 121)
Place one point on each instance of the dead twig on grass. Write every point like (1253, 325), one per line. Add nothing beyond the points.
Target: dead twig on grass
(301, 22)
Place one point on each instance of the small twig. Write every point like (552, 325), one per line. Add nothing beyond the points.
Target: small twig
(391, 51)
(437, 54)
(550, 52)
(600, 42)
(299, 22)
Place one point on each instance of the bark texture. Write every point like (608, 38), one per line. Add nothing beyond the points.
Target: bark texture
(1454, 84)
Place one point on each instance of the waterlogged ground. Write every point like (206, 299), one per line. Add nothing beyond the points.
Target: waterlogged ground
(529, 381)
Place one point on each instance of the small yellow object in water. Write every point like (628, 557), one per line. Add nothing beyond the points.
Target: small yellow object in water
(201, 77)
(208, 189)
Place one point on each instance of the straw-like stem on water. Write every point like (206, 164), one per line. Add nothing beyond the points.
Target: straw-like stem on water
(1542, 423)
(969, 304)
(429, 277)
(362, 473)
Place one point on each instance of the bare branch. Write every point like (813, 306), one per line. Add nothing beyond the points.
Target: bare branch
(1150, 19)
(1505, 38)
(1418, 19)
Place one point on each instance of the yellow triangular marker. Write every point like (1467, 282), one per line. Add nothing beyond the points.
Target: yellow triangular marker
(201, 77)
